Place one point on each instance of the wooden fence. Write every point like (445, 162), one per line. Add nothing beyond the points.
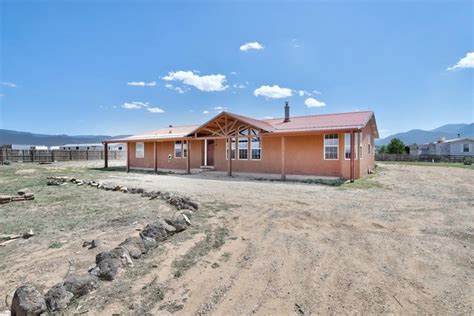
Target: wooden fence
(430, 158)
(56, 155)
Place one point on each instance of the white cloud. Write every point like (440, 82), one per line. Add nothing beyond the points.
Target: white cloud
(204, 83)
(205, 112)
(233, 73)
(132, 105)
(142, 83)
(273, 92)
(238, 86)
(220, 108)
(316, 92)
(250, 45)
(465, 62)
(268, 117)
(8, 84)
(313, 103)
(155, 110)
(177, 89)
(303, 93)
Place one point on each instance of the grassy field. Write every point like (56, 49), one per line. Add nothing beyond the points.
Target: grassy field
(430, 164)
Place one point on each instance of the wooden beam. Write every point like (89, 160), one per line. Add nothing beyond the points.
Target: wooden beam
(106, 155)
(352, 156)
(220, 127)
(188, 160)
(155, 158)
(283, 159)
(128, 157)
(229, 162)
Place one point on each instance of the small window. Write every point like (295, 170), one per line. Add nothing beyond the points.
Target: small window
(227, 149)
(140, 150)
(347, 146)
(331, 146)
(361, 144)
(178, 149)
(256, 147)
(465, 148)
(185, 149)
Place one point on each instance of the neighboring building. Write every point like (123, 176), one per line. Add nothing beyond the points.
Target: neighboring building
(318, 145)
(93, 147)
(25, 147)
(452, 147)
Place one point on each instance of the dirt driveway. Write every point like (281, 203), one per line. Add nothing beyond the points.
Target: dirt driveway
(403, 244)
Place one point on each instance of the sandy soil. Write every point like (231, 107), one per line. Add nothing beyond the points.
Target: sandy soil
(403, 247)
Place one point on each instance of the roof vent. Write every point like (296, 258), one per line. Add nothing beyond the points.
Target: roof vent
(287, 112)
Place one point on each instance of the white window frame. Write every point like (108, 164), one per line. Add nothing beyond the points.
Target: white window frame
(369, 145)
(468, 148)
(243, 137)
(184, 148)
(337, 146)
(361, 144)
(139, 150)
(349, 145)
(180, 148)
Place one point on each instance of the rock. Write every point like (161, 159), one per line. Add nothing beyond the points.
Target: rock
(57, 298)
(180, 222)
(134, 246)
(23, 191)
(86, 244)
(95, 243)
(123, 189)
(5, 199)
(27, 301)
(107, 269)
(159, 230)
(81, 285)
(149, 243)
(29, 196)
(53, 182)
(189, 213)
(28, 234)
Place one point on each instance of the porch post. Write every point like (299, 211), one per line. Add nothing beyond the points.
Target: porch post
(188, 160)
(155, 158)
(106, 155)
(229, 162)
(128, 157)
(283, 159)
(352, 156)
(205, 152)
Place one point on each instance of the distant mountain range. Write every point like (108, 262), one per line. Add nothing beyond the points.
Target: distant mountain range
(24, 138)
(418, 136)
(413, 136)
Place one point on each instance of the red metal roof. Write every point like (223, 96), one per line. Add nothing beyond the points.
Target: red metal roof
(309, 123)
(322, 122)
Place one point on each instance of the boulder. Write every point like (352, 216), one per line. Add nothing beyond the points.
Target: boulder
(124, 190)
(134, 246)
(57, 298)
(159, 230)
(5, 199)
(180, 222)
(80, 285)
(27, 301)
(23, 191)
(149, 243)
(107, 269)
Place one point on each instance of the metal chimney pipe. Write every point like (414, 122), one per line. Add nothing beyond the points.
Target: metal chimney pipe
(287, 112)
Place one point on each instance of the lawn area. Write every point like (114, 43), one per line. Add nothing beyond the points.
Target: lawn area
(430, 164)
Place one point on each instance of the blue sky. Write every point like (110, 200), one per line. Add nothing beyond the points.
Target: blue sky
(120, 67)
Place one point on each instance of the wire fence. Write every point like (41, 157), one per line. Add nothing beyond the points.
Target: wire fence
(430, 158)
(12, 155)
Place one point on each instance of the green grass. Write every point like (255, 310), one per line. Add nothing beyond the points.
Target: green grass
(430, 164)
(55, 245)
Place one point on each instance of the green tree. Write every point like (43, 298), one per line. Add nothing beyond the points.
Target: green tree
(396, 146)
(383, 149)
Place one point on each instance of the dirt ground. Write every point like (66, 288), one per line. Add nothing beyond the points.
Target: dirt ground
(400, 242)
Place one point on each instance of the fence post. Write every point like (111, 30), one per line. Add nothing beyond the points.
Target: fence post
(87, 154)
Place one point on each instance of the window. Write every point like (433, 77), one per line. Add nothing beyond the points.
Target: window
(347, 146)
(227, 149)
(331, 146)
(243, 143)
(185, 149)
(178, 149)
(140, 150)
(465, 148)
(361, 144)
(255, 146)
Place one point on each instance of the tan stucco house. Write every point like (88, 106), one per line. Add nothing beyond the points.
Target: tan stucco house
(336, 145)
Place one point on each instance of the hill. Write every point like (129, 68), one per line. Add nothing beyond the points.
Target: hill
(419, 136)
(25, 138)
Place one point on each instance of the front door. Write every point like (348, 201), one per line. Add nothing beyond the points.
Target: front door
(210, 153)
